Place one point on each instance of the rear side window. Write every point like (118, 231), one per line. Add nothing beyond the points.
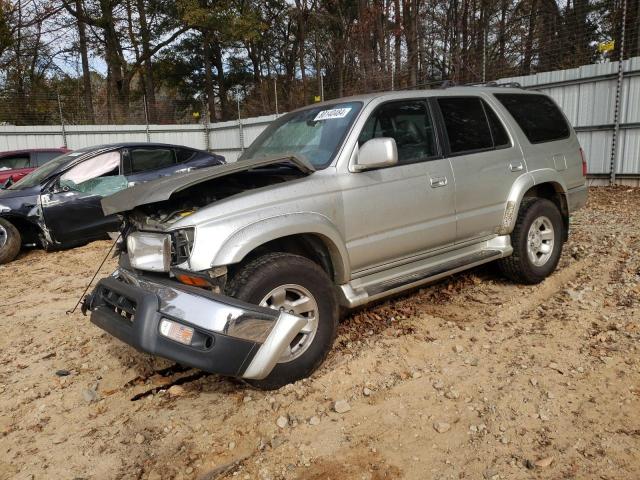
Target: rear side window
(14, 162)
(498, 133)
(538, 116)
(143, 159)
(466, 124)
(185, 154)
(44, 157)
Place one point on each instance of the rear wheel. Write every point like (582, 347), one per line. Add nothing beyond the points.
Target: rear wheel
(294, 284)
(10, 241)
(537, 242)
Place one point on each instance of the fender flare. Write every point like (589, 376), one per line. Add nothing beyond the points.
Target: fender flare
(239, 244)
(520, 187)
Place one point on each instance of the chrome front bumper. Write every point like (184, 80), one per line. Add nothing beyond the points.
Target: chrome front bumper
(231, 337)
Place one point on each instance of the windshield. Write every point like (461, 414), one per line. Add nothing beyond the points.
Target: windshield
(39, 174)
(313, 133)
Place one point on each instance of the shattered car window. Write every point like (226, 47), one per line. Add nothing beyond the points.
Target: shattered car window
(313, 133)
(95, 175)
(40, 174)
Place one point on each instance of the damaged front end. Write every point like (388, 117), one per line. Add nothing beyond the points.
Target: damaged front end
(191, 325)
(156, 302)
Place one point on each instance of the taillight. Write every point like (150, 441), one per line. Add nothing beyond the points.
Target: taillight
(584, 163)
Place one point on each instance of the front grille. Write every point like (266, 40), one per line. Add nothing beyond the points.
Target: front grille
(181, 243)
(123, 306)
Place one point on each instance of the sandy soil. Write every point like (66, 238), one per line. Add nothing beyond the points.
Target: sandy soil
(473, 377)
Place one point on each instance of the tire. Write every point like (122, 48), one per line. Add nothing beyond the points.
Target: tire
(10, 241)
(521, 266)
(273, 272)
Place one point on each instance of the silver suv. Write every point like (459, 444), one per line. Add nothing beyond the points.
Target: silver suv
(243, 269)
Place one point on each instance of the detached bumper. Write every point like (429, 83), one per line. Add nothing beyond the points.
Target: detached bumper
(230, 337)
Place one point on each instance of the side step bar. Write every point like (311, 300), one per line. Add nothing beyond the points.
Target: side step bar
(381, 284)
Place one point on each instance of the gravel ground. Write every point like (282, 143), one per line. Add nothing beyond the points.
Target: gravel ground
(473, 377)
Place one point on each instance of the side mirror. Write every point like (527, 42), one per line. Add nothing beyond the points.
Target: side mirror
(377, 153)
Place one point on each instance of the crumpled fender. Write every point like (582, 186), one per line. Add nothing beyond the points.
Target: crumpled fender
(520, 187)
(243, 241)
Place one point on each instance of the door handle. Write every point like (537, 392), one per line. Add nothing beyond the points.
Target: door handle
(438, 181)
(516, 167)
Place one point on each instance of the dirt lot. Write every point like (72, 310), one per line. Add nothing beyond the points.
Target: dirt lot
(473, 377)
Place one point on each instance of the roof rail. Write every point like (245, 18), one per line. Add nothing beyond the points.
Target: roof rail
(505, 85)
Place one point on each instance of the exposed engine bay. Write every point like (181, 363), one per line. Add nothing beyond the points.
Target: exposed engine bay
(160, 215)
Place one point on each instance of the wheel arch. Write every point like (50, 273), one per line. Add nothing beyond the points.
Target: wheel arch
(311, 236)
(538, 184)
(29, 231)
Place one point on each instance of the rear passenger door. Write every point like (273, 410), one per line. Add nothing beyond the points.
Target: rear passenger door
(485, 162)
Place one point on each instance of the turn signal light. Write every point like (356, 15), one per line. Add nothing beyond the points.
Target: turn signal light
(191, 280)
(175, 331)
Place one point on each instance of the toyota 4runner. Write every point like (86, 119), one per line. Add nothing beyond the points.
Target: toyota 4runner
(242, 269)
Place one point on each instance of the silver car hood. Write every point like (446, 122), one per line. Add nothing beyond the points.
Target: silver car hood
(162, 188)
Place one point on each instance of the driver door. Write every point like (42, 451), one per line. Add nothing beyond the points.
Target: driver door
(395, 213)
(71, 206)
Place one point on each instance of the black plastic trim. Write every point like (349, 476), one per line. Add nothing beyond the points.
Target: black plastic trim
(224, 355)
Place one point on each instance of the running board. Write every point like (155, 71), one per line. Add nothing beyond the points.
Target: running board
(381, 284)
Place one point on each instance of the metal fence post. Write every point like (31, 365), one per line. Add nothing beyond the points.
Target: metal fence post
(275, 90)
(146, 118)
(613, 165)
(240, 130)
(64, 130)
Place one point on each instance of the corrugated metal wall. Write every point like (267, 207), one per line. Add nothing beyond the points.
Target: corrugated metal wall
(586, 94)
(223, 138)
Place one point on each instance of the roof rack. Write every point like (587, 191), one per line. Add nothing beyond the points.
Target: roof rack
(505, 85)
(447, 84)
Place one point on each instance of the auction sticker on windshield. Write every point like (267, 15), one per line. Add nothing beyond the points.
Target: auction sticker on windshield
(331, 114)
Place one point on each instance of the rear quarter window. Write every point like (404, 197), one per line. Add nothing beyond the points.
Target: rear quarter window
(537, 115)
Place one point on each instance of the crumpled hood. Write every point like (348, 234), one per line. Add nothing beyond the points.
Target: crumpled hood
(162, 188)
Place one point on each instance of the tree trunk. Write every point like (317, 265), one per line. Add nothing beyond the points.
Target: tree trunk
(208, 78)
(86, 74)
(149, 84)
(397, 64)
(528, 48)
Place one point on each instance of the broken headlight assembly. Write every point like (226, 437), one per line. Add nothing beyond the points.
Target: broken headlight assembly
(149, 251)
(181, 245)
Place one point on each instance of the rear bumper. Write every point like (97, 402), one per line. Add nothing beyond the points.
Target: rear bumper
(230, 337)
(577, 198)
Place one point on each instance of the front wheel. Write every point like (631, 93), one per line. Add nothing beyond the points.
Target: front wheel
(10, 241)
(537, 242)
(297, 285)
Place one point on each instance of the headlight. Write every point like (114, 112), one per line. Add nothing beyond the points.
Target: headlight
(149, 251)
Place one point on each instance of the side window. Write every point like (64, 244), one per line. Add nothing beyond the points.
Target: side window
(184, 154)
(97, 176)
(15, 161)
(144, 159)
(44, 157)
(538, 116)
(498, 133)
(409, 124)
(465, 123)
